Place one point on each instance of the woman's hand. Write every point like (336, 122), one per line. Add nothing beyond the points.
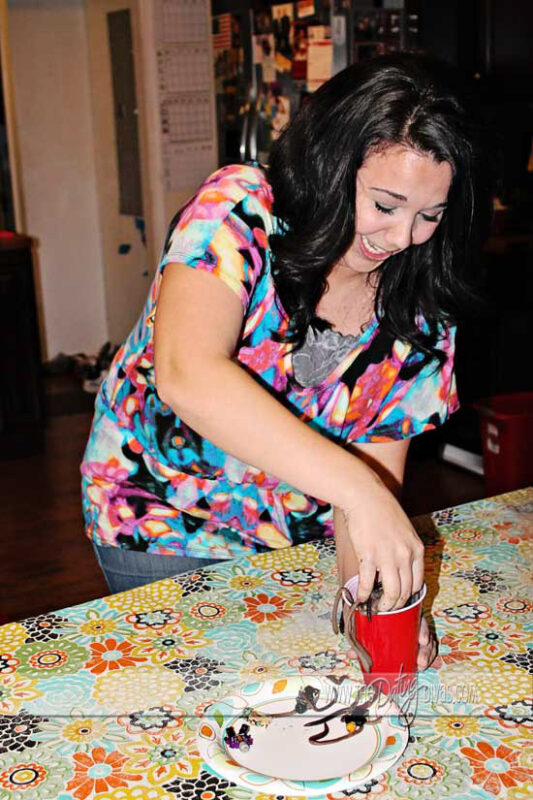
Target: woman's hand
(384, 541)
(427, 645)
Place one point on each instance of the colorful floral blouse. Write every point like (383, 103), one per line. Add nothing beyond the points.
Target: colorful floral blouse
(151, 483)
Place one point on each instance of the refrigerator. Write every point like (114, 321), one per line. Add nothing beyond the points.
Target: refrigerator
(270, 56)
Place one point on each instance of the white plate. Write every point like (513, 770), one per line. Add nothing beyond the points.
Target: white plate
(281, 759)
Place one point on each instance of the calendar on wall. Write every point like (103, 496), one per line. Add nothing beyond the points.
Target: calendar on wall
(188, 64)
(182, 21)
(186, 91)
(185, 159)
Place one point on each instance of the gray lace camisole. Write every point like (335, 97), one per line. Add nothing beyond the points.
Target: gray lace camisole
(321, 352)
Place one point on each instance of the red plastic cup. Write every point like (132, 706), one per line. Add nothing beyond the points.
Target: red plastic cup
(391, 640)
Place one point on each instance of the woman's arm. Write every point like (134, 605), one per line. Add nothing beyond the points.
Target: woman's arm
(387, 459)
(198, 322)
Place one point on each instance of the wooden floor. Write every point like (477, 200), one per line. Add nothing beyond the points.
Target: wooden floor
(46, 563)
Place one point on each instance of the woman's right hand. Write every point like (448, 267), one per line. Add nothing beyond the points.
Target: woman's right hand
(384, 541)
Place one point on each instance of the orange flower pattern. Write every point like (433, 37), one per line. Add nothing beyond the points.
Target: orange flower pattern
(97, 772)
(496, 768)
(450, 651)
(267, 608)
(110, 655)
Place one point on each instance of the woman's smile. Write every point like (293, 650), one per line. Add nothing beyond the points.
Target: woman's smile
(372, 251)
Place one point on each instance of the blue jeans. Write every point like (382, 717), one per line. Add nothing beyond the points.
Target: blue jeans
(126, 569)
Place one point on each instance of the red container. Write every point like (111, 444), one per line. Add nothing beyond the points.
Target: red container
(507, 437)
(391, 640)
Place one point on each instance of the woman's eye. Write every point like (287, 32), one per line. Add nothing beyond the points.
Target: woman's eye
(383, 209)
(428, 218)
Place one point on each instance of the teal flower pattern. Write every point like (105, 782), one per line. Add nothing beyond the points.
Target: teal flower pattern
(234, 580)
(229, 641)
(94, 622)
(78, 733)
(59, 696)
(451, 726)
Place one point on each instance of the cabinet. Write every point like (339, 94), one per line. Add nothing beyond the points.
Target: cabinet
(21, 395)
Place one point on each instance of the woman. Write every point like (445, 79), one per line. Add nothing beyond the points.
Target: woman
(298, 333)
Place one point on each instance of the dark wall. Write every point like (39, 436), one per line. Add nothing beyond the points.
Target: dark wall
(485, 39)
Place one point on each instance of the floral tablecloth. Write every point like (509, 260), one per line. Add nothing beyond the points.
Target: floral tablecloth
(103, 700)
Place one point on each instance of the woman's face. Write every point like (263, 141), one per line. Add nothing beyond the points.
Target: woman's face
(400, 200)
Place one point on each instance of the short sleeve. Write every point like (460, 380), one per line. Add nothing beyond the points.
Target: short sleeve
(224, 229)
(421, 398)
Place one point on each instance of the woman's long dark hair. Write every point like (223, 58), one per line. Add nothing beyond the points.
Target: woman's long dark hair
(313, 165)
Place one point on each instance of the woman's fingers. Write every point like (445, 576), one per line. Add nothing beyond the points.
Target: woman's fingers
(391, 583)
(398, 577)
(418, 569)
(427, 646)
(367, 577)
(411, 571)
(406, 579)
(403, 576)
(427, 655)
(423, 634)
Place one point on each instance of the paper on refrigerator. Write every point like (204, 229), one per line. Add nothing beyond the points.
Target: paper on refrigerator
(319, 63)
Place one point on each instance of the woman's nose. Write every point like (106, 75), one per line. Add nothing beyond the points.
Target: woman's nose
(400, 236)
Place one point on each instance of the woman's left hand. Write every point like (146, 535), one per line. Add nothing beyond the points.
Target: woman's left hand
(427, 645)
